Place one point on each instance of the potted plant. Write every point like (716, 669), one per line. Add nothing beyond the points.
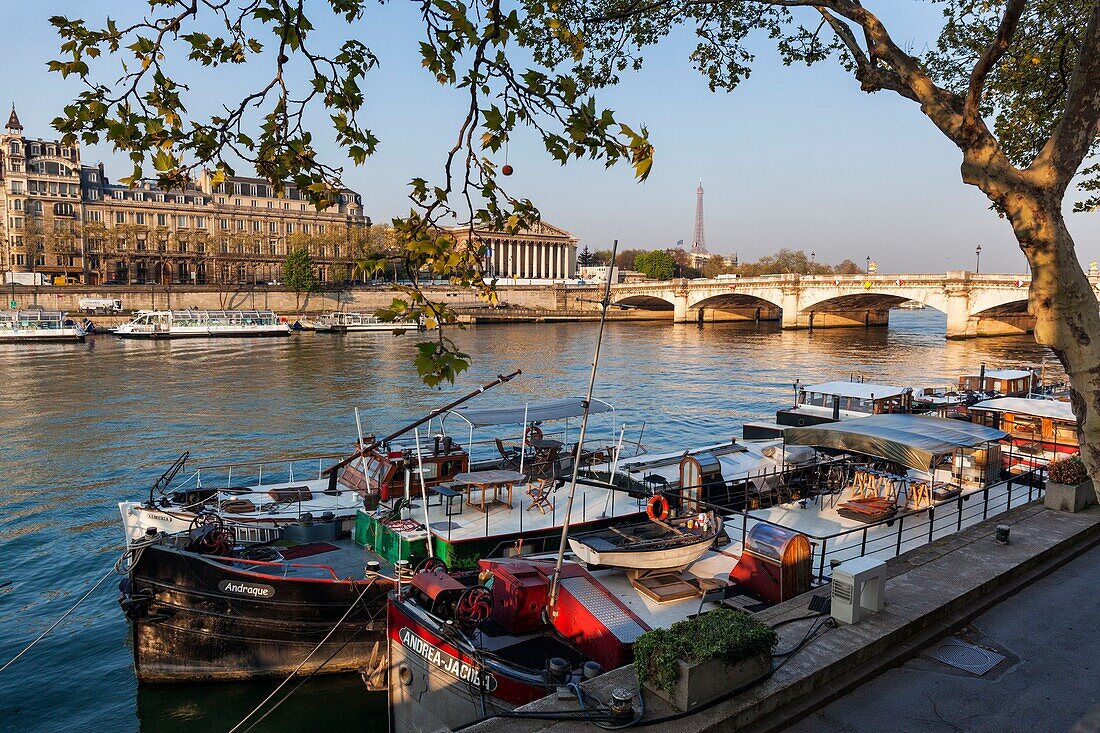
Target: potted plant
(703, 658)
(1069, 488)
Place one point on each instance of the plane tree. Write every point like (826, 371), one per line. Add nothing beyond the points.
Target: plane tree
(1013, 84)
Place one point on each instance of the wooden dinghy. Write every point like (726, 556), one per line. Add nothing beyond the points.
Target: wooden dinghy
(654, 545)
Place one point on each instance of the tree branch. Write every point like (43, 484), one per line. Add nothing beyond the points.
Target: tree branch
(1060, 158)
(989, 59)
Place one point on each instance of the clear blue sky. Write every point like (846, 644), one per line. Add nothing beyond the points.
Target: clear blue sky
(795, 157)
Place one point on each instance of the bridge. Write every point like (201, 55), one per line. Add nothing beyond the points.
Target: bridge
(976, 305)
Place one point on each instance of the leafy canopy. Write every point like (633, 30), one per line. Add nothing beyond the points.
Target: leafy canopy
(657, 264)
(298, 272)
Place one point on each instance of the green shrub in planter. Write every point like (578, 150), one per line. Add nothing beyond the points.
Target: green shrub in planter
(721, 634)
(1069, 471)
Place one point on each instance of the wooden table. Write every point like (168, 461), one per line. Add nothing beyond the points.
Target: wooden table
(544, 444)
(489, 480)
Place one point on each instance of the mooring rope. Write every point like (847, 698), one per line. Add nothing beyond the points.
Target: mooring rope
(297, 669)
(55, 624)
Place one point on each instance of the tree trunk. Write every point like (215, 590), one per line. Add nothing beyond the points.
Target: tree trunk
(1067, 316)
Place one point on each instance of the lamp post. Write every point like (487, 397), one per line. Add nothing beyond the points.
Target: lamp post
(977, 259)
(868, 270)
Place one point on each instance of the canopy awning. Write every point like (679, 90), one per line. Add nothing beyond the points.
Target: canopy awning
(910, 440)
(859, 390)
(1055, 409)
(562, 409)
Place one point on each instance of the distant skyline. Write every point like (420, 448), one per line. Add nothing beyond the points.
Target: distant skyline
(795, 157)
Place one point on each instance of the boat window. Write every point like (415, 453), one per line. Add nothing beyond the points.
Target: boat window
(813, 398)
(865, 406)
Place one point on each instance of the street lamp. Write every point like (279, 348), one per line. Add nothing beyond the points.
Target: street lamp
(977, 259)
(868, 270)
(812, 256)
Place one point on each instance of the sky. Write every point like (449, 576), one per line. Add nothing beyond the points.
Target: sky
(794, 157)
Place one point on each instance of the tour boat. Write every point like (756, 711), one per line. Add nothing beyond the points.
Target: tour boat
(36, 326)
(1039, 430)
(831, 401)
(203, 323)
(655, 545)
(341, 322)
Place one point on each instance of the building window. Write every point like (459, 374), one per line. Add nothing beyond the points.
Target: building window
(36, 149)
(289, 228)
(20, 260)
(273, 227)
(17, 187)
(181, 222)
(120, 217)
(162, 220)
(223, 224)
(119, 194)
(139, 218)
(95, 216)
(200, 222)
(17, 204)
(139, 196)
(181, 199)
(142, 245)
(255, 226)
(240, 225)
(236, 202)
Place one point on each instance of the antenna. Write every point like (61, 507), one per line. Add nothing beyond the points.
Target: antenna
(553, 597)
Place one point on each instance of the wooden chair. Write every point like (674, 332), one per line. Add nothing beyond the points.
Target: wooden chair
(509, 456)
(544, 465)
(539, 491)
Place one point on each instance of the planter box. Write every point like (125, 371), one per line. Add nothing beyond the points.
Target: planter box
(701, 682)
(1069, 498)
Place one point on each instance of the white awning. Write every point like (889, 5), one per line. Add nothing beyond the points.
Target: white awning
(1055, 409)
(860, 390)
(1002, 374)
(562, 409)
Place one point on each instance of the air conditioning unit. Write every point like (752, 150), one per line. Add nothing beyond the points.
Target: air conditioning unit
(858, 586)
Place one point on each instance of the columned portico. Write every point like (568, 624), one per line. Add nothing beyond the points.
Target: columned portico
(543, 252)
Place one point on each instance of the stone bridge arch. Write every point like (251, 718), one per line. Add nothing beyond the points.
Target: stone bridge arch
(732, 305)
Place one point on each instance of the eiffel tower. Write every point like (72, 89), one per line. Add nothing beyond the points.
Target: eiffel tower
(699, 241)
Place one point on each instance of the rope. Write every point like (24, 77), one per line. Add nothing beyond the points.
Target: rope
(56, 623)
(282, 684)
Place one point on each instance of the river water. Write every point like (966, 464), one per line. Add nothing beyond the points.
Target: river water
(83, 426)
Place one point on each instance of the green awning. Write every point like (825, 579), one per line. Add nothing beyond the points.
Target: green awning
(911, 440)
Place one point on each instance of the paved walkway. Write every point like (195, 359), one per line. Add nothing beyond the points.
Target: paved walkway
(1049, 681)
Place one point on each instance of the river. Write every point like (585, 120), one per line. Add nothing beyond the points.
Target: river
(83, 426)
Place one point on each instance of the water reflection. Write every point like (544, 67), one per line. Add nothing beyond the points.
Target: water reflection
(84, 426)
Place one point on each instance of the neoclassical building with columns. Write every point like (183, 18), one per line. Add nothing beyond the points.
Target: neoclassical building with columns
(542, 252)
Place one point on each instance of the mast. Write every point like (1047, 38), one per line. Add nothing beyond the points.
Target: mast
(604, 303)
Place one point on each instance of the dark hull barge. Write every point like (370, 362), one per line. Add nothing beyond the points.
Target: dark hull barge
(200, 611)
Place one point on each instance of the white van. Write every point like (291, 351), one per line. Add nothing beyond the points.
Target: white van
(107, 305)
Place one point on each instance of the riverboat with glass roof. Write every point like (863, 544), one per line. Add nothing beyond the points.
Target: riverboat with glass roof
(203, 323)
(34, 326)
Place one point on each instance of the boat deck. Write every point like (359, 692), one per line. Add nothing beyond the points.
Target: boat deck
(338, 559)
(589, 504)
(817, 522)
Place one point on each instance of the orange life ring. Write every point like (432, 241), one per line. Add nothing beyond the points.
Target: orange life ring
(655, 513)
(532, 433)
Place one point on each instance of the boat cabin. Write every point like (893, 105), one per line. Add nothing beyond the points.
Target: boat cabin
(37, 325)
(388, 470)
(1037, 428)
(1007, 382)
(831, 401)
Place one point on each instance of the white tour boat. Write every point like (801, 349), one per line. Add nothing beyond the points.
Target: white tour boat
(25, 326)
(341, 322)
(203, 323)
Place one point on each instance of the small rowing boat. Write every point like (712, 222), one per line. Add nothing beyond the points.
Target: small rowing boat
(654, 545)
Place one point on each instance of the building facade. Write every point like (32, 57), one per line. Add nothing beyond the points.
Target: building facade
(67, 220)
(543, 252)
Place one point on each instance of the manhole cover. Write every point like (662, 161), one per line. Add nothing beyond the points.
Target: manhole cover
(965, 656)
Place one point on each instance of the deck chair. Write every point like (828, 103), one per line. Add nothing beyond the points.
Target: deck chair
(545, 465)
(539, 491)
(509, 456)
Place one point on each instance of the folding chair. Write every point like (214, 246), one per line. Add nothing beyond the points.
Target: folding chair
(539, 491)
